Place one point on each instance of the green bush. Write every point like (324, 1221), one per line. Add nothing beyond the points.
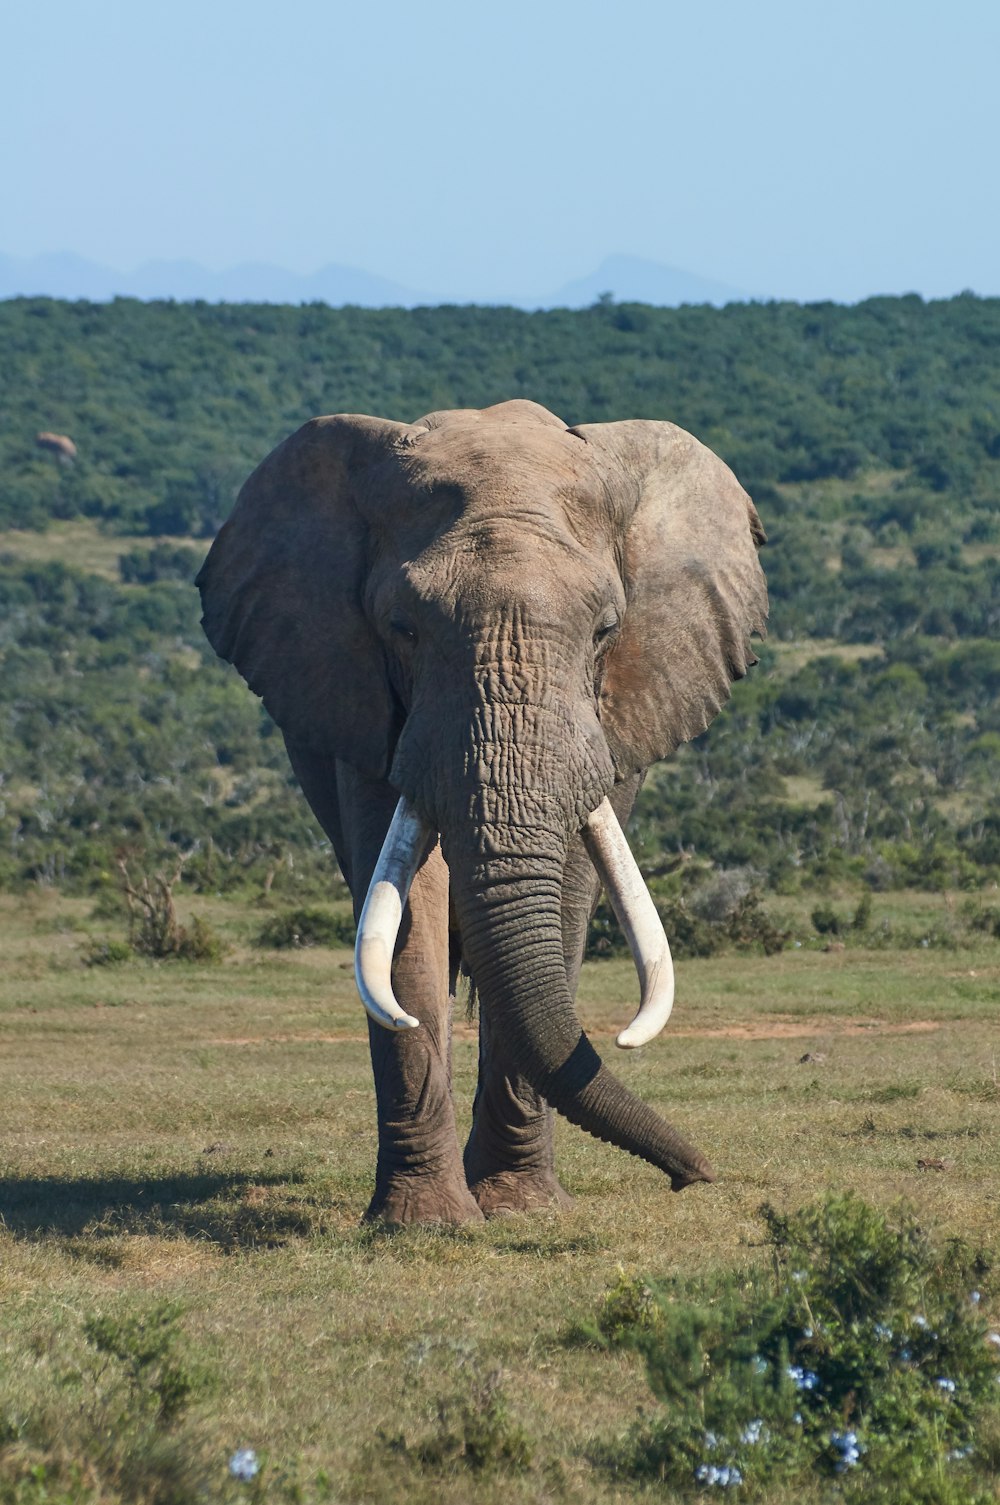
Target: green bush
(826, 920)
(745, 927)
(162, 562)
(106, 953)
(860, 1354)
(198, 942)
(122, 1434)
(307, 927)
(984, 920)
(473, 1428)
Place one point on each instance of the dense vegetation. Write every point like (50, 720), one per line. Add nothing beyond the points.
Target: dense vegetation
(864, 746)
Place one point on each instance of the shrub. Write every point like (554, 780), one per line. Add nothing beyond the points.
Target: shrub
(107, 953)
(826, 920)
(153, 927)
(198, 942)
(860, 1354)
(750, 926)
(307, 927)
(122, 1433)
(473, 1428)
(162, 562)
(984, 920)
(604, 934)
(863, 914)
(745, 925)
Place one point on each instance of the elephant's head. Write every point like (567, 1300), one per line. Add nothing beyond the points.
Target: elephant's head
(501, 616)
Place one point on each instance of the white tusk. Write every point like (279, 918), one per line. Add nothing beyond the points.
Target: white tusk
(636, 912)
(402, 850)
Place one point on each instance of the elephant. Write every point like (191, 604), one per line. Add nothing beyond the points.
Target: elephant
(476, 632)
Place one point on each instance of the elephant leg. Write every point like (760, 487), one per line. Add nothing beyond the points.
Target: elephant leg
(509, 1159)
(419, 1176)
(510, 1156)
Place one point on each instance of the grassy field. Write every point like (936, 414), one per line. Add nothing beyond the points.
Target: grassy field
(205, 1134)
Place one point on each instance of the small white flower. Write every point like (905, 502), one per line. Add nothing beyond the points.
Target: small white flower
(711, 1473)
(805, 1379)
(993, 1338)
(243, 1465)
(975, 1297)
(847, 1445)
(946, 1384)
(752, 1432)
(958, 1453)
(920, 1321)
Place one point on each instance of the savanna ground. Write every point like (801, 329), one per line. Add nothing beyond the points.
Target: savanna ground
(206, 1135)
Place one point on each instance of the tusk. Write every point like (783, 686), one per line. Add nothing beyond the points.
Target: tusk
(631, 901)
(402, 850)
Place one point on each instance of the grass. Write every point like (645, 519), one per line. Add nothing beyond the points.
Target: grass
(206, 1135)
(80, 542)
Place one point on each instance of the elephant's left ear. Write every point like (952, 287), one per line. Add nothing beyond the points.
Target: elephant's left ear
(688, 536)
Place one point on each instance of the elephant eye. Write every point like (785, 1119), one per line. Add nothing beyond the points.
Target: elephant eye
(606, 629)
(403, 630)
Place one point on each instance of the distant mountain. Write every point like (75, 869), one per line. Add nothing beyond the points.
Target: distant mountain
(64, 275)
(630, 279)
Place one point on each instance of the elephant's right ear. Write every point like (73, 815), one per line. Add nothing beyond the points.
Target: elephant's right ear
(282, 589)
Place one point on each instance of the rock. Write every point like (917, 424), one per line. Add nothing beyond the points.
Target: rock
(59, 445)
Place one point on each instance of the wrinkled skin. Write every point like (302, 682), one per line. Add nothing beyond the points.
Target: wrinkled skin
(504, 620)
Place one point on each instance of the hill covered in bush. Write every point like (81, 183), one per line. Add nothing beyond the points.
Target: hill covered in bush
(864, 745)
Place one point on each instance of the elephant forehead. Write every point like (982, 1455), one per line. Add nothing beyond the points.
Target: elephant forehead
(502, 569)
(494, 462)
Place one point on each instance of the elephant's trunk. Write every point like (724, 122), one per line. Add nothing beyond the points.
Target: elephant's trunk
(509, 912)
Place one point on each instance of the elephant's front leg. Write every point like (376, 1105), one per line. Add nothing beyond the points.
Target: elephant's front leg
(510, 1157)
(419, 1177)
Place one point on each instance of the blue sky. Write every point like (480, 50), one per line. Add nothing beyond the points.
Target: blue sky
(799, 150)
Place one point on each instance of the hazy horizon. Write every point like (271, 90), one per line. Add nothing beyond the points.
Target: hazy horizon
(790, 152)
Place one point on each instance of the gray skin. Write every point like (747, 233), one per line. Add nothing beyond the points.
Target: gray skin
(505, 620)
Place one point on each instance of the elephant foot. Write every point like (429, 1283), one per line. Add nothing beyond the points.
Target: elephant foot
(406, 1200)
(508, 1192)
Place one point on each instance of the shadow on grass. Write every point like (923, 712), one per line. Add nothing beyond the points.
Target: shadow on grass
(231, 1210)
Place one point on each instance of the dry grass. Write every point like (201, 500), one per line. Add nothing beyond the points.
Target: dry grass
(208, 1133)
(792, 656)
(81, 543)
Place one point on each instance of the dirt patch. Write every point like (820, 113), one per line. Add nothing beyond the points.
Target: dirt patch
(799, 1029)
(773, 1028)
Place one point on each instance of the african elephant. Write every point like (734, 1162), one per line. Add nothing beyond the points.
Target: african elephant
(476, 632)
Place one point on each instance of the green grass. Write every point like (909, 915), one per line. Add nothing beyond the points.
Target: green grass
(206, 1134)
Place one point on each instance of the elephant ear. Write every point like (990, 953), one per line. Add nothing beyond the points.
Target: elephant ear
(688, 536)
(282, 589)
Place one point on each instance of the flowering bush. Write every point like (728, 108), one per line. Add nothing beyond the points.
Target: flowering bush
(862, 1354)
